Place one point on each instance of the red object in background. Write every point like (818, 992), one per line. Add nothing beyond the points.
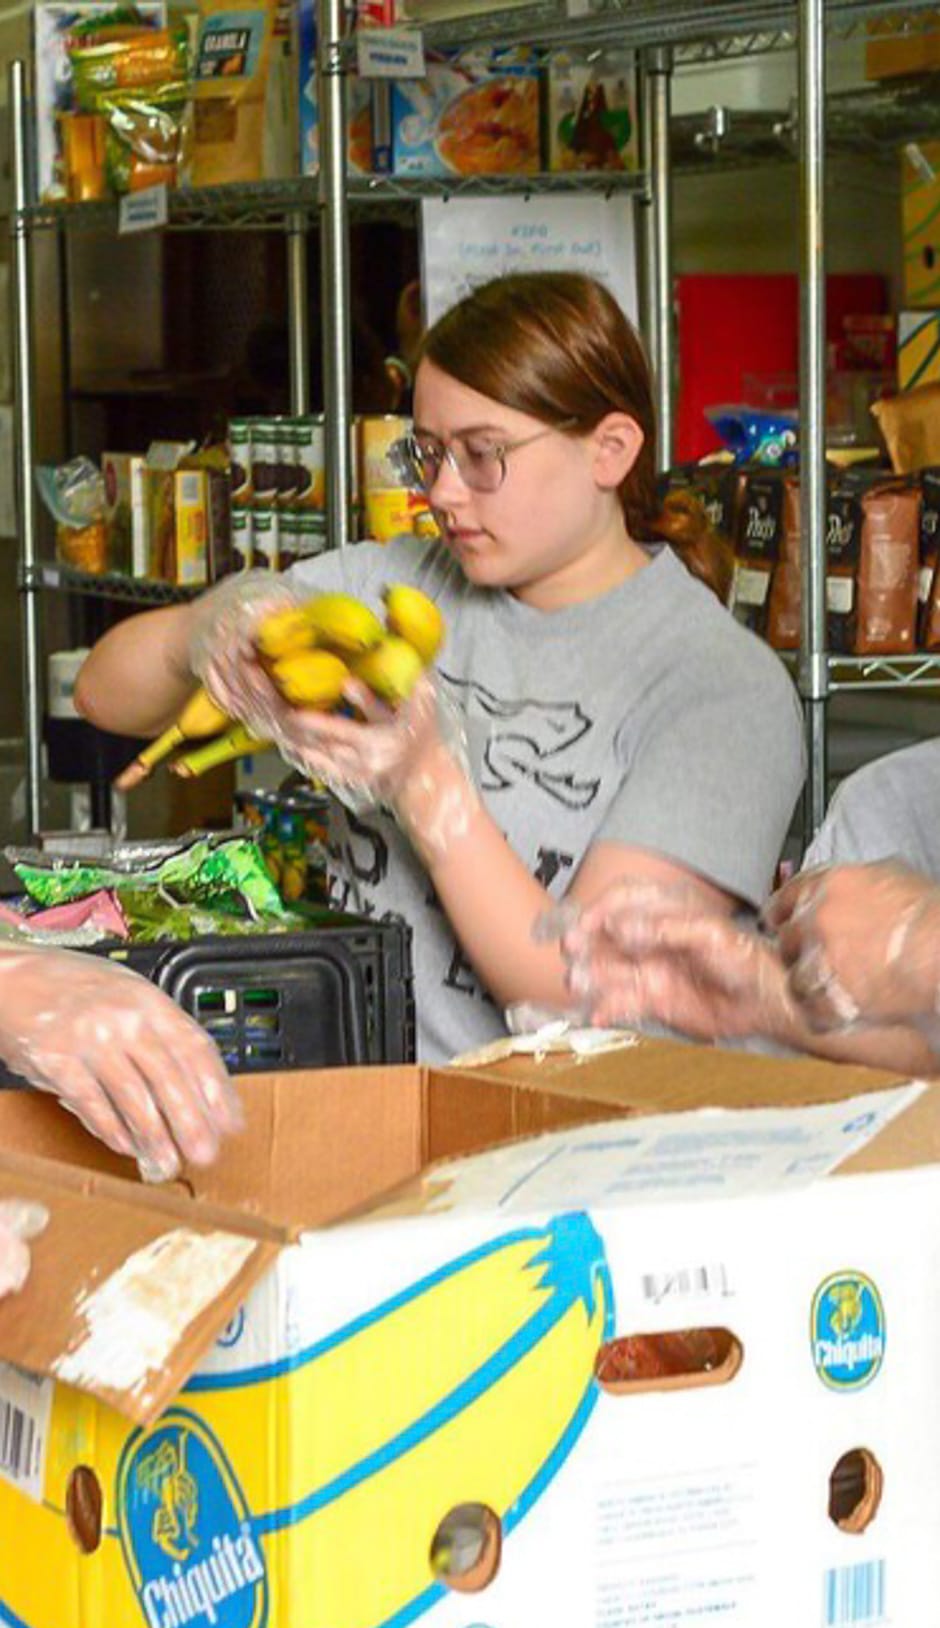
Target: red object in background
(733, 327)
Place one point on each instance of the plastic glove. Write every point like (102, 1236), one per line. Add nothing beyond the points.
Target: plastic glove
(646, 953)
(20, 1221)
(862, 944)
(222, 650)
(129, 1064)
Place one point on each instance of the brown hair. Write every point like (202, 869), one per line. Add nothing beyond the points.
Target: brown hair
(557, 346)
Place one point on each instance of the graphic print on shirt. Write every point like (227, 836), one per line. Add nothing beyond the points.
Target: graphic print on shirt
(525, 741)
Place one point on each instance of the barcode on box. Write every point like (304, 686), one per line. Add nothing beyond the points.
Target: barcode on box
(18, 1442)
(685, 1281)
(855, 1594)
(25, 1410)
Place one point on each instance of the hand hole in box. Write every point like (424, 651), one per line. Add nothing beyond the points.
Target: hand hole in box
(855, 1488)
(466, 1548)
(679, 1359)
(83, 1509)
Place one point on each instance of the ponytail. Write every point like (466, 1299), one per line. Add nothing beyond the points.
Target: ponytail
(684, 524)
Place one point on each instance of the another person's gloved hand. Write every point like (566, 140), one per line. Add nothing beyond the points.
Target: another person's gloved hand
(649, 953)
(20, 1221)
(862, 944)
(129, 1064)
(222, 650)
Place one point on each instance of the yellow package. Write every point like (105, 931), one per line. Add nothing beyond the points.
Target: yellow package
(232, 59)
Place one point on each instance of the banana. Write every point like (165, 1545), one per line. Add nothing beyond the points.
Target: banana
(413, 616)
(199, 718)
(343, 624)
(312, 678)
(284, 634)
(392, 670)
(237, 742)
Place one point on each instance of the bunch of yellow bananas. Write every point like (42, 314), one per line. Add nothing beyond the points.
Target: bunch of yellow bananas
(200, 720)
(311, 651)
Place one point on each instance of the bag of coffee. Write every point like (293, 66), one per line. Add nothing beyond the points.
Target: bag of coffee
(783, 618)
(928, 586)
(887, 575)
(757, 547)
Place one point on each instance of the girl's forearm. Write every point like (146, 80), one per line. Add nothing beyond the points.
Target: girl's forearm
(137, 677)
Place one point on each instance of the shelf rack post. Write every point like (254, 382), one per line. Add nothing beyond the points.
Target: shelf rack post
(298, 313)
(813, 666)
(334, 250)
(21, 328)
(657, 99)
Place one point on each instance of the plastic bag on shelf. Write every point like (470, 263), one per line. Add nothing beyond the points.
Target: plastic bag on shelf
(74, 494)
(138, 79)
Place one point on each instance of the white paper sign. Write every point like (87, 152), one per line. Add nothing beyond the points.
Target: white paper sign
(143, 211)
(390, 53)
(466, 241)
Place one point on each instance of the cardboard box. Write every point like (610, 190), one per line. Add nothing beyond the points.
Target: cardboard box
(475, 114)
(918, 348)
(909, 47)
(127, 512)
(253, 1411)
(591, 111)
(920, 220)
(359, 93)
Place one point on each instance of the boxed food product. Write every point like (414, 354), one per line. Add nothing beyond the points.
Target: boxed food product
(53, 24)
(476, 113)
(920, 222)
(384, 1353)
(918, 348)
(230, 90)
(127, 512)
(909, 45)
(590, 111)
(359, 97)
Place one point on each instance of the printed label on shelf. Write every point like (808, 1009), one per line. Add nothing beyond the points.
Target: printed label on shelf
(143, 211)
(390, 53)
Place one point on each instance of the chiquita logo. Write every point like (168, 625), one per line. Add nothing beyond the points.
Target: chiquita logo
(186, 1531)
(847, 1331)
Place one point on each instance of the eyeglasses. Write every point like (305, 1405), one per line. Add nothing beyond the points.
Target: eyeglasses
(481, 465)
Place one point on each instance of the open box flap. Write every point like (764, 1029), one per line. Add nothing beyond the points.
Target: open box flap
(127, 1287)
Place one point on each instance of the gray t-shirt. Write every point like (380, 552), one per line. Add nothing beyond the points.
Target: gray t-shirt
(647, 717)
(888, 809)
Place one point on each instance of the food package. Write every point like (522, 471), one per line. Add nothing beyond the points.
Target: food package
(591, 111)
(887, 577)
(83, 141)
(920, 222)
(757, 547)
(718, 487)
(126, 512)
(476, 113)
(54, 23)
(359, 99)
(757, 435)
(786, 591)
(138, 79)
(910, 424)
(230, 90)
(74, 495)
(918, 348)
(928, 589)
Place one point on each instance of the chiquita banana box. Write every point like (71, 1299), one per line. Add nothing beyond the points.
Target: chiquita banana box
(567, 1357)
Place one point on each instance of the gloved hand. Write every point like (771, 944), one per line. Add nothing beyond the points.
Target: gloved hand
(650, 953)
(862, 944)
(20, 1221)
(222, 650)
(129, 1064)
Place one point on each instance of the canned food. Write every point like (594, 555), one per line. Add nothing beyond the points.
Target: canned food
(285, 462)
(378, 471)
(302, 535)
(242, 540)
(393, 511)
(310, 475)
(265, 538)
(264, 456)
(239, 452)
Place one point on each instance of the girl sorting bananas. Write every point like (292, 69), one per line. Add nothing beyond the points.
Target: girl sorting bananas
(594, 712)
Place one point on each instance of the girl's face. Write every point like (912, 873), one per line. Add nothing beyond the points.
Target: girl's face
(557, 503)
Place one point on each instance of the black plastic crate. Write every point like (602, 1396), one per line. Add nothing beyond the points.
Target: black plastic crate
(331, 997)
